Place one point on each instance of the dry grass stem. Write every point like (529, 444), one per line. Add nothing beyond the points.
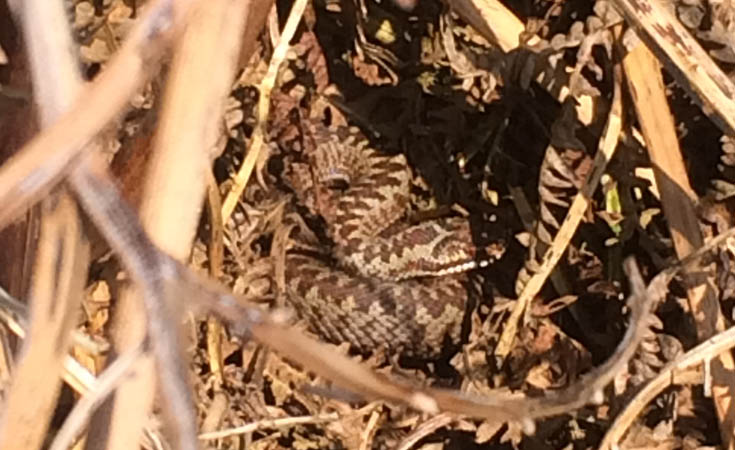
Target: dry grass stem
(268, 423)
(266, 86)
(425, 429)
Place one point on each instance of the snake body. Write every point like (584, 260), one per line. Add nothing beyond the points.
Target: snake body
(394, 284)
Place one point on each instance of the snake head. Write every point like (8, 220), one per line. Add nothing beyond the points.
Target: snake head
(358, 191)
(333, 156)
(325, 169)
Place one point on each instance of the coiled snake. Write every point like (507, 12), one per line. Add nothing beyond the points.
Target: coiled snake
(394, 284)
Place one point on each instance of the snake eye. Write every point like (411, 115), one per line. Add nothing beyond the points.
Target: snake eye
(338, 184)
(333, 179)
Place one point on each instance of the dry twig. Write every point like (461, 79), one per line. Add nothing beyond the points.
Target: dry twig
(174, 187)
(677, 372)
(683, 57)
(645, 83)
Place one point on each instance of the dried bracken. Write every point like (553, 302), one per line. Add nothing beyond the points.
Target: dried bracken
(454, 195)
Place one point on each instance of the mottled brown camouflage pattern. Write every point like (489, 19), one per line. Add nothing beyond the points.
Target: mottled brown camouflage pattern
(395, 285)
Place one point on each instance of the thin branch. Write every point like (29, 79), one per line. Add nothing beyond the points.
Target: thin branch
(676, 372)
(34, 170)
(120, 227)
(188, 128)
(106, 383)
(354, 377)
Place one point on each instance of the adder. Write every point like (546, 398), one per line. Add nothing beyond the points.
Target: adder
(386, 282)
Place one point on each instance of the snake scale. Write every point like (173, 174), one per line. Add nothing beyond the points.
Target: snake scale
(392, 284)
